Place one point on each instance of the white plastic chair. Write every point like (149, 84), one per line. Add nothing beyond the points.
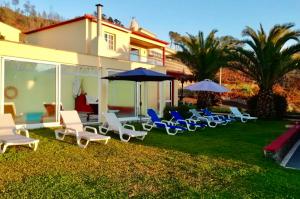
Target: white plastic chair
(9, 135)
(113, 124)
(74, 127)
(244, 117)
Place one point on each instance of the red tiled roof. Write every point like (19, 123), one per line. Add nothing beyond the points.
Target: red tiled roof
(149, 37)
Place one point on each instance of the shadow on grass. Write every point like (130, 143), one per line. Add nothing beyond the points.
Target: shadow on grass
(237, 141)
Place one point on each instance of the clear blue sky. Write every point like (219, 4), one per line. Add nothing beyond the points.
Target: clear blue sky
(161, 16)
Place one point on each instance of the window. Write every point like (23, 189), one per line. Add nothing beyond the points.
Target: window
(134, 54)
(110, 40)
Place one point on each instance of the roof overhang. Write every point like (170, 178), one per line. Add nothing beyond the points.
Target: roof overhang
(180, 75)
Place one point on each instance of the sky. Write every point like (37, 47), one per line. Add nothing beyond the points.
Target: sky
(229, 17)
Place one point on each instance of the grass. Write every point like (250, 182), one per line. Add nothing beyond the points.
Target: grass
(226, 162)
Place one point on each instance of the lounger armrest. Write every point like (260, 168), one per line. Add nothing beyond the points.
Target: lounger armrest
(192, 121)
(183, 121)
(24, 131)
(86, 128)
(232, 115)
(162, 123)
(72, 130)
(203, 118)
(129, 126)
(212, 118)
(167, 122)
(193, 117)
(246, 114)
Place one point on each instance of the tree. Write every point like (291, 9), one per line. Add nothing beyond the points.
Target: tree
(266, 58)
(15, 3)
(203, 56)
(33, 12)
(175, 38)
(27, 7)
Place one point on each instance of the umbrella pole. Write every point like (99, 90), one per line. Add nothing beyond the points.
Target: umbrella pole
(140, 102)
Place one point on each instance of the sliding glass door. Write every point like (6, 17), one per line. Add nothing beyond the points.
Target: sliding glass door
(122, 97)
(80, 91)
(29, 90)
(34, 92)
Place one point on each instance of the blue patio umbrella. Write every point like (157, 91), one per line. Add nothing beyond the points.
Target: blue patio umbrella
(139, 75)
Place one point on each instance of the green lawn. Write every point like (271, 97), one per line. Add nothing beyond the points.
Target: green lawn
(226, 162)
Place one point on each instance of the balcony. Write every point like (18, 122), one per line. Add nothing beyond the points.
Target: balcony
(157, 61)
(175, 65)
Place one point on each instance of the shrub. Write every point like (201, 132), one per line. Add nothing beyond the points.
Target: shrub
(280, 105)
(166, 113)
(183, 110)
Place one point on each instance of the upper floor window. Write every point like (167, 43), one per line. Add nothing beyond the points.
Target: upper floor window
(110, 40)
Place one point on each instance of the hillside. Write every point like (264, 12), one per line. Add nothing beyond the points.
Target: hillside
(21, 21)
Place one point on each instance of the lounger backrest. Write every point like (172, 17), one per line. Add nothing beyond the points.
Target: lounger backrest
(207, 112)
(177, 117)
(112, 120)
(7, 124)
(195, 112)
(154, 118)
(153, 115)
(235, 111)
(72, 120)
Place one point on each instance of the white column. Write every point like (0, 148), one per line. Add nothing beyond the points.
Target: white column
(58, 92)
(99, 95)
(1, 85)
(161, 98)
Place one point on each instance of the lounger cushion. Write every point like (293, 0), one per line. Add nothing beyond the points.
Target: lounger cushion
(92, 136)
(197, 124)
(16, 139)
(176, 127)
(134, 133)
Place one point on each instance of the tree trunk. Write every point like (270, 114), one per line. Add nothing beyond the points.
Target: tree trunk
(204, 100)
(265, 104)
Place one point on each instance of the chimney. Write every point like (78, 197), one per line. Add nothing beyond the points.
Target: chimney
(99, 19)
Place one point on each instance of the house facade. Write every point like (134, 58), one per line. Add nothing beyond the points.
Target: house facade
(59, 64)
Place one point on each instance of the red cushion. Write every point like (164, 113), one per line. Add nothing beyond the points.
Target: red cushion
(282, 140)
(81, 104)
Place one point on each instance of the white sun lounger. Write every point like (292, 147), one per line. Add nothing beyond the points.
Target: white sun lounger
(244, 117)
(9, 135)
(113, 124)
(74, 127)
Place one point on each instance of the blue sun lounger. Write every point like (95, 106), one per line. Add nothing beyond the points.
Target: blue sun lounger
(190, 124)
(155, 121)
(224, 118)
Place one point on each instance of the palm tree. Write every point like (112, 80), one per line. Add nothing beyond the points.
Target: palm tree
(203, 56)
(267, 58)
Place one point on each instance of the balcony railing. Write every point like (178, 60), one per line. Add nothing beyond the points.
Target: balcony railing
(146, 59)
